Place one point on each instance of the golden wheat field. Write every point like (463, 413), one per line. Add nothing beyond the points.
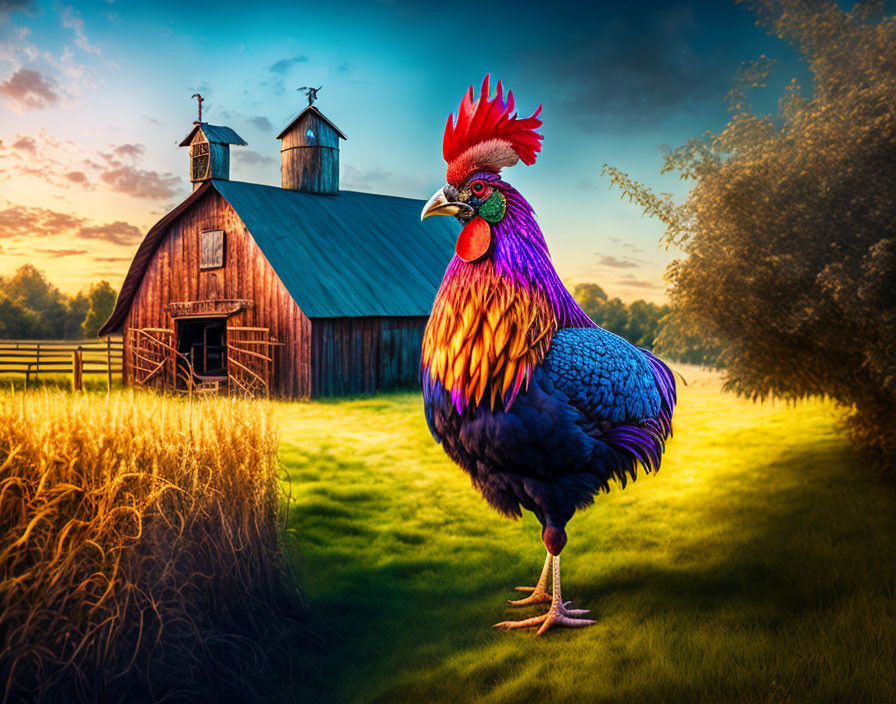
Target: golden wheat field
(139, 535)
(143, 558)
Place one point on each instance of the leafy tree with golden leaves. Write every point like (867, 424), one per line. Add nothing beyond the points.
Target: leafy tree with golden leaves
(789, 230)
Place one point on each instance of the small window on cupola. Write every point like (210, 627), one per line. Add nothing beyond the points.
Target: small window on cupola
(310, 137)
(200, 161)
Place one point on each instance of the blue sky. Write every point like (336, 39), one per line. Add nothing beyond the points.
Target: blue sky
(94, 97)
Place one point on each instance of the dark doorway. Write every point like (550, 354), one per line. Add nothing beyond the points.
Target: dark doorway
(204, 342)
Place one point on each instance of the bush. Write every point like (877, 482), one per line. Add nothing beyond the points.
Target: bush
(139, 547)
(790, 228)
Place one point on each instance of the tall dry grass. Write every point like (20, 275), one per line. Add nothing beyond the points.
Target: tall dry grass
(140, 554)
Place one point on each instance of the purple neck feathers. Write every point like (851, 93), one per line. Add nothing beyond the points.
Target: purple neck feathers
(521, 254)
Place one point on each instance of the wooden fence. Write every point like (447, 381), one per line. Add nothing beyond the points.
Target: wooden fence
(35, 357)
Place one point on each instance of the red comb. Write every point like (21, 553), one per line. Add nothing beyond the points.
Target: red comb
(487, 120)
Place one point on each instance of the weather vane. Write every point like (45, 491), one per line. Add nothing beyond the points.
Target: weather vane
(310, 92)
(200, 99)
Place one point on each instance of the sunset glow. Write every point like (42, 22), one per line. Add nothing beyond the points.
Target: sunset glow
(94, 97)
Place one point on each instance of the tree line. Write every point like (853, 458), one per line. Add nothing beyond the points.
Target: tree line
(656, 327)
(32, 308)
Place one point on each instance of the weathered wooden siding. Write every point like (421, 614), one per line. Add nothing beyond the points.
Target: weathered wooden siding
(173, 275)
(361, 355)
(313, 168)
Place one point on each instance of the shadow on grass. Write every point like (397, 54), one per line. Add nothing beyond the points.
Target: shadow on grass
(778, 589)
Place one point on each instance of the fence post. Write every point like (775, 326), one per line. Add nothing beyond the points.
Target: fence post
(36, 365)
(78, 369)
(109, 363)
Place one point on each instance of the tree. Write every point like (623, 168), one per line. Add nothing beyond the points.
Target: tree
(16, 321)
(591, 299)
(100, 303)
(644, 322)
(29, 289)
(76, 310)
(789, 230)
(31, 307)
(639, 322)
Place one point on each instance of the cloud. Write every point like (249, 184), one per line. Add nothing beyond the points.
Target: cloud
(72, 20)
(122, 174)
(366, 177)
(250, 157)
(380, 180)
(627, 245)
(277, 72)
(64, 164)
(78, 177)
(7, 7)
(111, 260)
(26, 144)
(45, 151)
(19, 221)
(613, 262)
(75, 75)
(29, 90)
(261, 122)
(118, 232)
(56, 253)
(129, 151)
(22, 221)
(38, 156)
(632, 282)
(140, 183)
(635, 66)
(42, 78)
(283, 65)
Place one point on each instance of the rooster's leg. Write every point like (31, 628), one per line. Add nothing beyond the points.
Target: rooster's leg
(538, 595)
(557, 615)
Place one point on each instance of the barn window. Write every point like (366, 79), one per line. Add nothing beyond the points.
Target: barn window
(212, 249)
(310, 137)
(200, 161)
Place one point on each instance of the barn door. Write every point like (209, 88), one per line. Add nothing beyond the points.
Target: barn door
(152, 356)
(250, 361)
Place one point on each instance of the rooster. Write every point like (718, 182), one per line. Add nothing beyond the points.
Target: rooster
(539, 405)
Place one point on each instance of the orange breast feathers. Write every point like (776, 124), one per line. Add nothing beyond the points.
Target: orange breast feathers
(485, 336)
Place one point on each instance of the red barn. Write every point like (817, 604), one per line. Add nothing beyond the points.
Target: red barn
(298, 291)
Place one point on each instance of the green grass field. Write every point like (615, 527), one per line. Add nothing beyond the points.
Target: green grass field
(757, 566)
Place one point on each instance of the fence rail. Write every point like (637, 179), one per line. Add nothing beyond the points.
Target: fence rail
(35, 357)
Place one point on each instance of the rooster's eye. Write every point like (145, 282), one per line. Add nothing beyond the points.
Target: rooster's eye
(478, 188)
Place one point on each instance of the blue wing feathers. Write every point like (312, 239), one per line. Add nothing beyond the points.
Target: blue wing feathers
(605, 377)
(595, 409)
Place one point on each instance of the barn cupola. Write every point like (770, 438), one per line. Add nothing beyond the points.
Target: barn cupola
(209, 150)
(309, 151)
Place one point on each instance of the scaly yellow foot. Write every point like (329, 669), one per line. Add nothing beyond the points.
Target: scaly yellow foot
(558, 615)
(538, 594)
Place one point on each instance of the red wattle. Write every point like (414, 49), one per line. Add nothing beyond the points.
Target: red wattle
(474, 240)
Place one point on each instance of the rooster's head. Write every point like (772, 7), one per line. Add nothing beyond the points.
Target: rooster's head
(486, 137)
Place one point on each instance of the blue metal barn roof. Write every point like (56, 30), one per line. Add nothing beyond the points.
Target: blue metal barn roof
(354, 254)
(350, 255)
(214, 133)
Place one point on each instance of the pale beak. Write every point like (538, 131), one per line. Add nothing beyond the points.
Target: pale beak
(440, 205)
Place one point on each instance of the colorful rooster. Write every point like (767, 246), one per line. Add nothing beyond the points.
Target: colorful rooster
(536, 402)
